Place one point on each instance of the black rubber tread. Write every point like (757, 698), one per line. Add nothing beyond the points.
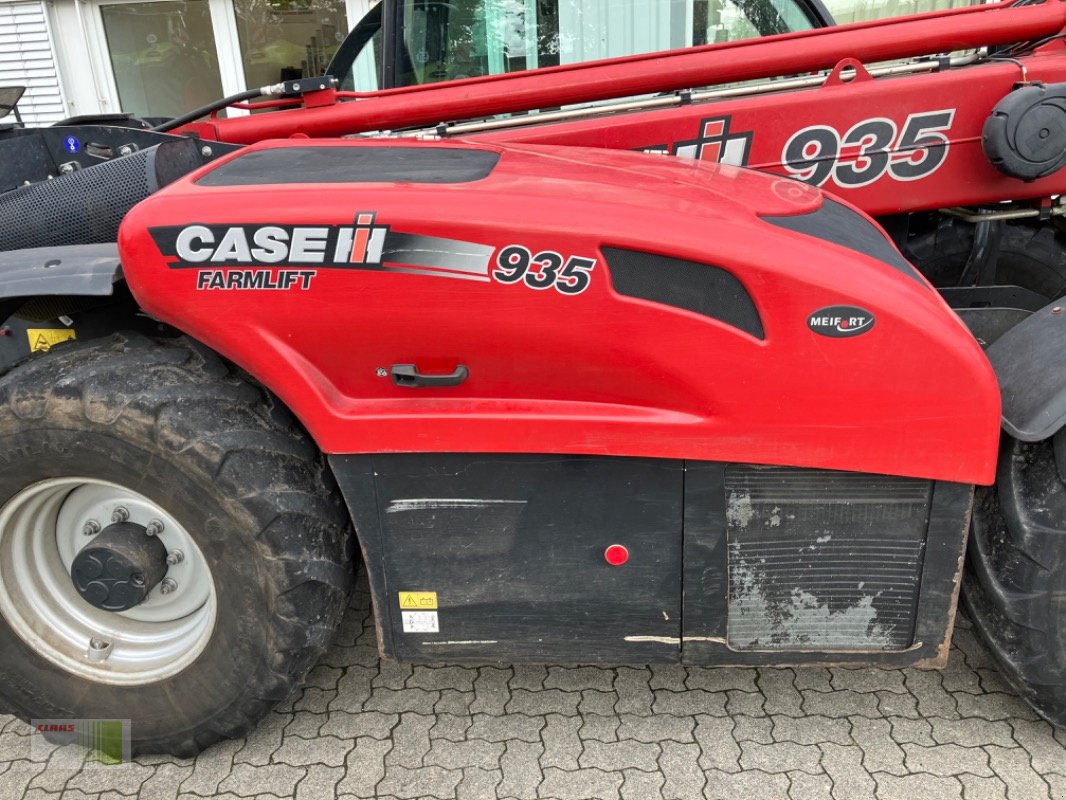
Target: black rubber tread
(258, 496)
(1030, 255)
(1015, 582)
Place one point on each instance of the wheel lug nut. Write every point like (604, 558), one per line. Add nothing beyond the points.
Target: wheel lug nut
(175, 557)
(168, 585)
(91, 528)
(120, 514)
(155, 527)
(99, 649)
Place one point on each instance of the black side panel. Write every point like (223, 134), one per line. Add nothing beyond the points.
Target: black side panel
(513, 547)
(354, 165)
(835, 222)
(702, 288)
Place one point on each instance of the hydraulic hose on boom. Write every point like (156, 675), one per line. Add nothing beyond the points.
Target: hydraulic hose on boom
(792, 53)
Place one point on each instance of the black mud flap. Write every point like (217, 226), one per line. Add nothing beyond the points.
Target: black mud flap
(1028, 360)
(1016, 572)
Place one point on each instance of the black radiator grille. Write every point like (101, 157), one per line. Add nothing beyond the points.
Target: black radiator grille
(823, 560)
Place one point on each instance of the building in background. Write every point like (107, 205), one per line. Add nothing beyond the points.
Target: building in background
(160, 57)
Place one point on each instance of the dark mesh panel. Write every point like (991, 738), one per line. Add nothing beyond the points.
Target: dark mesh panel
(84, 207)
(823, 560)
(710, 291)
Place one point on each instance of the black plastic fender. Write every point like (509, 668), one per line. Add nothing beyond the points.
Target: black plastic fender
(1025, 137)
(1029, 361)
(90, 269)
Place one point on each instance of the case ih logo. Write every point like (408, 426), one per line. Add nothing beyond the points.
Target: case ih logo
(840, 322)
(273, 245)
(715, 143)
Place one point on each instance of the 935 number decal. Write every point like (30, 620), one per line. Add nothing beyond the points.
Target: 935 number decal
(516, 264)
(869, 150)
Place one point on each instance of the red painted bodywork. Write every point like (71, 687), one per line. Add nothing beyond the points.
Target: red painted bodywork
(596, 372)
(965, 178)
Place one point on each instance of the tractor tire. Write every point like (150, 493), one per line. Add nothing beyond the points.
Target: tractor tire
(1030, 256)
(256, 543)
(1015, 582)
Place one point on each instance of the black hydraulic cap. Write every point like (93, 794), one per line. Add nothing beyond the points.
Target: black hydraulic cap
(1025, 137)
(120, 567)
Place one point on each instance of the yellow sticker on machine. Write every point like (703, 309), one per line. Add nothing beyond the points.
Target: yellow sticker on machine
(46, 338)
(418, 601)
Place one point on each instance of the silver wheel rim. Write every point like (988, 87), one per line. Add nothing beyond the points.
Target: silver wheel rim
(41, 531)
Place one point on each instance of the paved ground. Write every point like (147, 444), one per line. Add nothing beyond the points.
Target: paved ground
(362, 728)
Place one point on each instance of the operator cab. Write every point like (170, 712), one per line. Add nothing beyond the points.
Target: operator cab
(415, 42)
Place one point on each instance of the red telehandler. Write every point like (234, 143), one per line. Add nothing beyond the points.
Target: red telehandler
(568, 400)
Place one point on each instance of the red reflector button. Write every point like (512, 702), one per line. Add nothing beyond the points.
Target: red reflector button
(616, 555)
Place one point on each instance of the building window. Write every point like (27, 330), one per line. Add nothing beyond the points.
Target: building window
(163, 56)
(288, 39)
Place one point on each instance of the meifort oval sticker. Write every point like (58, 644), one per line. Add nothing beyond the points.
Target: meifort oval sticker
(840, 322)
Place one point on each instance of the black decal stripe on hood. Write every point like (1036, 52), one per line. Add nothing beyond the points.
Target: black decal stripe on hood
(835, 222)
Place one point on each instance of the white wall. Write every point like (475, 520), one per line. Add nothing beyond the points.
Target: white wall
(28, 59)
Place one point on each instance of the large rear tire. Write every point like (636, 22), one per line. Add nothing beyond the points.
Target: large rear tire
(1032, 256)
(1015, 582)
(162, 433)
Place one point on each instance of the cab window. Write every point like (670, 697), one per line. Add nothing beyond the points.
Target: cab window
(468, 38)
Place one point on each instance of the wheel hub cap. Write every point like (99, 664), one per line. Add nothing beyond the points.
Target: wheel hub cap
(121, 566)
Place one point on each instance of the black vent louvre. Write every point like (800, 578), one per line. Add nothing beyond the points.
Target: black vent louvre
(354, 165)
(823, 560)
(701, 288)
(835, 222)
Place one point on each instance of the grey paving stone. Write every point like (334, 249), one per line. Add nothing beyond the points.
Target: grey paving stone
(947, 759)
(531, 676)
(164, 782)
(933, 699)
(364, 767)
(971, 732)
(683, 777)
(478, 784)
(306, 725)
(812, 730)
(410, 740)
(453, 701)
(891, 704)
(753, 729)
(975, 788)
(915, 731)
(440, 678)
(599, 727)
(718, 749)
(345, 725)
(210, 768)
(513, 727)
(581, 784)
(1038, 739)
(390, 701)
(780, 692)
(460, 755)
(910, 787)
(633, 688)
(752, 785)
(404, 782)
(546, 701)
(491, 690)
(844, 703)
(657, 728)
(327, 751)
(521, 769)
(751, 704)
(780, 757)
(596, 702)
(452, 727)
(809, 787)
(562, 746)
(844, 767)
(723, 678)
(319, 783)
(252, 779)
(881, 753)
(637, 785)
(353, 689)
(575, 679)
(1013, 766)
(817, 678)
(617, 756)
(868, 680)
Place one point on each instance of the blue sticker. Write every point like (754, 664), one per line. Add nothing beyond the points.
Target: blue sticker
(71, 144)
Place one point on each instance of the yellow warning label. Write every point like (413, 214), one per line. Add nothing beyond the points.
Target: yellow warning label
(45, 338)
(418, 601)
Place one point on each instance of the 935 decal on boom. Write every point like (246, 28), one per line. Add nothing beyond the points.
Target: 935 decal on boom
(869, 150)
(544, 270)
